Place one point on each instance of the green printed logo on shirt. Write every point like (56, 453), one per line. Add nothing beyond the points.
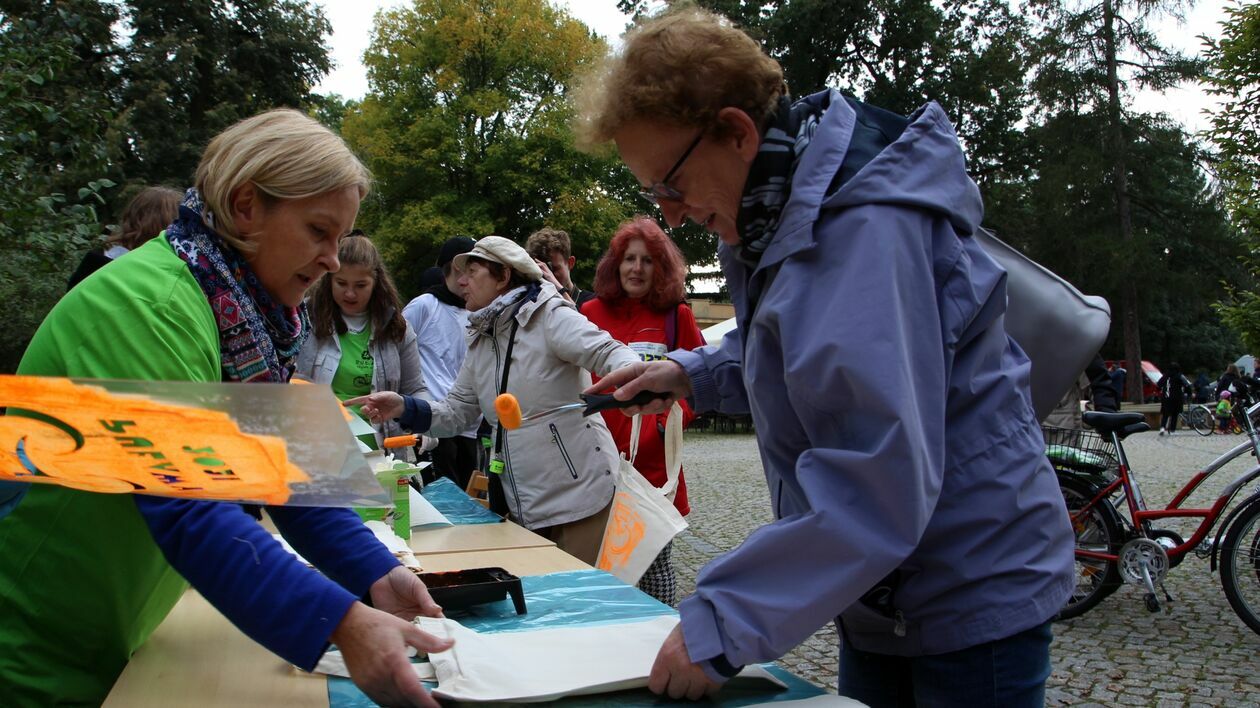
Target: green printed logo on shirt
(354, 371)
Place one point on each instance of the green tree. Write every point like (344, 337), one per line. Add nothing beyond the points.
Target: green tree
(1091, 54)
(467, 129)
(193, 68)
(171, 76)
(331, 109)
(969, 55)
(52, 134)
(1182, 249)
(1234, 76)
(98, 91)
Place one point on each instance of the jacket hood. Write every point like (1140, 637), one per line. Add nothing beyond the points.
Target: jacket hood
(865, 155)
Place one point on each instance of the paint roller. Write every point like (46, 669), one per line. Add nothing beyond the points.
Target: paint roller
(509, 409)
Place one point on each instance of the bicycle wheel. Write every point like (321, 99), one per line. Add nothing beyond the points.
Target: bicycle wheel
(1097, 530)
(1201, 420)
(1240, 566)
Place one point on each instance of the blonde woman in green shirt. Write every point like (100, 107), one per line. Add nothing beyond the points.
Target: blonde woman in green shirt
(360, 342)
(85, 578)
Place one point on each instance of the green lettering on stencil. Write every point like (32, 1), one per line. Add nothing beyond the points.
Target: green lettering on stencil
(116, 426)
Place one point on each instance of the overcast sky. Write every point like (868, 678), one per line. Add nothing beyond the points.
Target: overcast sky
(352, 27)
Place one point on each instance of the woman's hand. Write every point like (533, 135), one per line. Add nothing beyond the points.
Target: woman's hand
(673, 672)
(551, 278)
(400, 593)
(660, 376)
(374, 645)
(379, 406)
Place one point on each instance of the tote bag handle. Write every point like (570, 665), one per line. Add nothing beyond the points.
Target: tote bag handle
(673, 447)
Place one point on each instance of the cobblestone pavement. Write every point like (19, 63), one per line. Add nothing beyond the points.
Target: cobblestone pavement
(1198, 654)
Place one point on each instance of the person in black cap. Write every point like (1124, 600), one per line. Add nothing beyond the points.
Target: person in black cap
(430, 277)
(440, 320)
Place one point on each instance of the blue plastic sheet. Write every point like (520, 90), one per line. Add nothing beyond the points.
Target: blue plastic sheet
(456, 505)
(587, 597)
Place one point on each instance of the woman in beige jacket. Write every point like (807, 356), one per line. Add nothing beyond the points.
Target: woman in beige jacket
(555, 473)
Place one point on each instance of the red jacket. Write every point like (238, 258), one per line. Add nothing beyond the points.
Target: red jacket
(643, 329)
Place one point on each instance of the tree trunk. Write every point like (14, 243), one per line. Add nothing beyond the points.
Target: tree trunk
(1128, 304)
(1135, 379)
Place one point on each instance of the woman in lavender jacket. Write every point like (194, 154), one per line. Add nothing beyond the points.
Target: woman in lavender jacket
(913, 502)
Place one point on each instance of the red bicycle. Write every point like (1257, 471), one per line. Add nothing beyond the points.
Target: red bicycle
(1114, 548)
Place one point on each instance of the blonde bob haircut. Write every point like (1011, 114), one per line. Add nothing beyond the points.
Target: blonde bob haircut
(285, 154)
(678, 68)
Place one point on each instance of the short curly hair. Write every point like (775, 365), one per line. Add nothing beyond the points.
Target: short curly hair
(681, 67)
(542, 242)
(669, 268)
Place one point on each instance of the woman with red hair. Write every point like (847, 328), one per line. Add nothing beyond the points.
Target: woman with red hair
(639, 301)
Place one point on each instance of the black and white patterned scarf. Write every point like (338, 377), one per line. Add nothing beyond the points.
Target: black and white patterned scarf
(770, 177)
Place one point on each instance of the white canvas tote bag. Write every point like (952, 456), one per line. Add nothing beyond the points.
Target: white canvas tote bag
(546, 664)
(643, 518)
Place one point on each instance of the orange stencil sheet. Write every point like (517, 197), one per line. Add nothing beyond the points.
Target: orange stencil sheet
(85, 437)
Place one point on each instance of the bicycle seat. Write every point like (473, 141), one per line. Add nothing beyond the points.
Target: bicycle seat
(1111, 422)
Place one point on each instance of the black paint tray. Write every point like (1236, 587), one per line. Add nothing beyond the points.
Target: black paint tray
(460, 589)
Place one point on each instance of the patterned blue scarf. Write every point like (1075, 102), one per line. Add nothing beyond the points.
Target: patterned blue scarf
(770, 177)
(259, 338)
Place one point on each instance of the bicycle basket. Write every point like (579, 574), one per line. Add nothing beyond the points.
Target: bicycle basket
(1080, 450)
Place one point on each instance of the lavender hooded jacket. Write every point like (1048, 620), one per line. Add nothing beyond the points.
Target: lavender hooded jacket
(892, 411)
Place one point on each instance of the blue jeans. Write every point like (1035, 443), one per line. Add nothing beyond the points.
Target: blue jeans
(1006, 672)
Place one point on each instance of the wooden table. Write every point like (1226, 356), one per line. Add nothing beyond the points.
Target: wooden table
(517, 561)
(474, 537)
(197, 658)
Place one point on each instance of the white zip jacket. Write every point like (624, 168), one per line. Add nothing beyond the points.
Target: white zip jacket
(560, 467)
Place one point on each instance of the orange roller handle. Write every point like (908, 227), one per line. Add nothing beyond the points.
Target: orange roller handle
(401, 441)
(509, 410)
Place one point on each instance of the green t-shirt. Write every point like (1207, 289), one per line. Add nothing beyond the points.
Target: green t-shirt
(354, 372)
(82, 583)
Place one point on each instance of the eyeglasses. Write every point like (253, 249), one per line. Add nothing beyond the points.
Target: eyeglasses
(661, 190)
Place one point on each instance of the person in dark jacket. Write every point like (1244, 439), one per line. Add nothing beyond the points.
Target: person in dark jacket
(1118, 374)
(1228, 380)
(1101, 391)
(1173, 388)
(1202, 388)
(145, 216)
